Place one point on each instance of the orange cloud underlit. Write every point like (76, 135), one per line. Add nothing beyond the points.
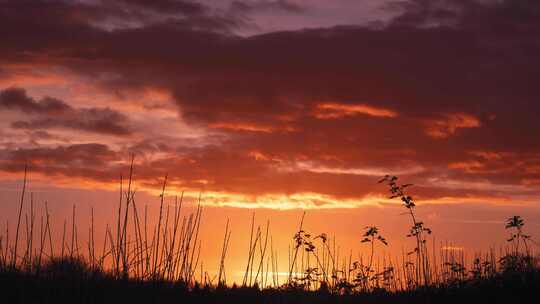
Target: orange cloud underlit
(368, 171)
(247, 127)
(490, 155)
(443, 128)
(334, 110)
(468, 166)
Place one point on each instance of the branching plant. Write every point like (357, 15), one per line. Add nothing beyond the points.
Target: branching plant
(306, 243)
(170, 254)
(365, 274)
(517, 260)
(417, 231)
(517, 237)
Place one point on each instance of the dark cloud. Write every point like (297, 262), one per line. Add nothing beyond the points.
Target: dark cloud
(85, 154)
(16, 99)
(45, 28)
(110, 15)
(459, 76)
(244, 7)
(81, 160)
(472, 14)
(168, 6)
(49, 112)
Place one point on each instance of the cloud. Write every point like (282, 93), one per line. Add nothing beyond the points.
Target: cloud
(265, 5)
(251, 127)
(72, 160)
(16, 99)
(461, 71)
(500, 163)
(114, 15)
(468, 166)
(447, 126)
(103, 121)
(49, 113)
(332, 110)
(288, 202)
(376, 172)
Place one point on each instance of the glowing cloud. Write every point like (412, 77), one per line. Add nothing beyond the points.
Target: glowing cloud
(312, 167)
(333, 110)
(248, 127)
(443, 128)
(277, 201)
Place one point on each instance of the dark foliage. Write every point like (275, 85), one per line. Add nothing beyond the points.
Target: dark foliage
(72, 281)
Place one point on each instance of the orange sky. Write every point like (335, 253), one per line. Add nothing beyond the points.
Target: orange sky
(276, 107)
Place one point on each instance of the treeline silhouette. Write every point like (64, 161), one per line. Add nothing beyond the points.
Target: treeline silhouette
(161, 264)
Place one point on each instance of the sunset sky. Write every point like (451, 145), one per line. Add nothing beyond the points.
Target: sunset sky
(276, 107)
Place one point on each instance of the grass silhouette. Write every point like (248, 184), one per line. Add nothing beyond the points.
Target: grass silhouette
(135, 265)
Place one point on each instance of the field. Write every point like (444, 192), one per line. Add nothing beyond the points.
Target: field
(135, 266)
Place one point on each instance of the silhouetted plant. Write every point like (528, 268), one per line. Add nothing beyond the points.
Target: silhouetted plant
(517, 236)
(386, 277)
(305, 242)
(364, 274)
(417, 230)
(482, 269)
(170, 258)
(517, 261)
(458, 272)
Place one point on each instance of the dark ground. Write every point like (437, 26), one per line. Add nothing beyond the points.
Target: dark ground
(82, 286)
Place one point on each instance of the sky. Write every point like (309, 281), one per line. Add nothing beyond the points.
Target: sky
(277, 107)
